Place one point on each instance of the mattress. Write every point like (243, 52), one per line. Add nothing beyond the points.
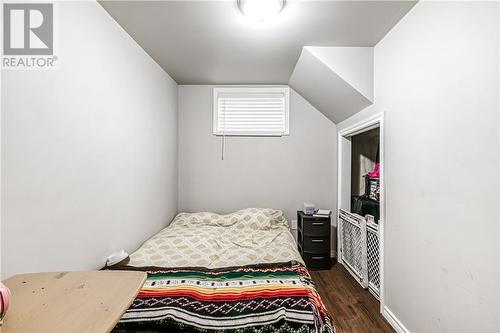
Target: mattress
(205, 239)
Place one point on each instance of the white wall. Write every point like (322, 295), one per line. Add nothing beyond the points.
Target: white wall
(89, 150)
(276, 172)
(436, 79)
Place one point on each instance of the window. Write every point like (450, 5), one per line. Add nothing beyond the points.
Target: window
(251, 111)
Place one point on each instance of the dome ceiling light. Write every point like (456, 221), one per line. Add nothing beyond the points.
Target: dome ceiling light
(261, 10)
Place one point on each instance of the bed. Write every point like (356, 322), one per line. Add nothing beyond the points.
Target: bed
(239, 272)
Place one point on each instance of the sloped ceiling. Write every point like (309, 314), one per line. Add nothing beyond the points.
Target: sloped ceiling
(210, 42)
(353, 64)
(338, 81)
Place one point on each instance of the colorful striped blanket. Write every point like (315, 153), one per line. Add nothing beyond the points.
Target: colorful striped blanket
(256, 298)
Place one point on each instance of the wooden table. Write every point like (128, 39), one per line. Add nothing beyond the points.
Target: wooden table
(68, 302)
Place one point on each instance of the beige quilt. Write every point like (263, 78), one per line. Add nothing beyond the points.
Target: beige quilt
(249, 236)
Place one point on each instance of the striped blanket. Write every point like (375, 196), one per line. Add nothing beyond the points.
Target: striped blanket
(257, 298)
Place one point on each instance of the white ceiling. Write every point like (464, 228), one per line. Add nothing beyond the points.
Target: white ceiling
(210, 42)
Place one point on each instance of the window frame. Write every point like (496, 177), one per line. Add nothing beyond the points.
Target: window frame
(249, 90)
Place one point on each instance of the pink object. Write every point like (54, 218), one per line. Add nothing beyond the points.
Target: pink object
(4, 300)
(376, 172)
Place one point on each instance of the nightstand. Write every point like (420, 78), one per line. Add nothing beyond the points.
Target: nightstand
(313, 240)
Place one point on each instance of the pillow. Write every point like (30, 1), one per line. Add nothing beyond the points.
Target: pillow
(251, 218)
(261, 218)
(201, 218)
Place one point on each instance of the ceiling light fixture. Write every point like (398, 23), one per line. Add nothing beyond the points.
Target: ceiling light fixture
(261, 10)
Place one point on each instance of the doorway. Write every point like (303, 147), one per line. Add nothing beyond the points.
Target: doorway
(361, 203)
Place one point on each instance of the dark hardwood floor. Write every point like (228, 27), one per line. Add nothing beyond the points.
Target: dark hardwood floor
(354, 310)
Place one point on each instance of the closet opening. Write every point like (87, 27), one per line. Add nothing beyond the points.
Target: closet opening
(361, 204)
(365, 174)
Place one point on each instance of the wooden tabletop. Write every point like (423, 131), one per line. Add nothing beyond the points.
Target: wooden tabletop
(68, 302)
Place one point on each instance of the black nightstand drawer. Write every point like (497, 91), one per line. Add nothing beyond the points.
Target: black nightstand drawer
(317, 244)
(316, 227)
(317, 261)
(314, 240)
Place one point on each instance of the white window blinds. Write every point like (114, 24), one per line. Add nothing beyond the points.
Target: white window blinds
(251, 111)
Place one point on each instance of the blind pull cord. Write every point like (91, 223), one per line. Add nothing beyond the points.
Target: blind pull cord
(223, 147)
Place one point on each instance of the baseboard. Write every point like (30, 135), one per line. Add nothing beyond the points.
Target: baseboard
(393, 321)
